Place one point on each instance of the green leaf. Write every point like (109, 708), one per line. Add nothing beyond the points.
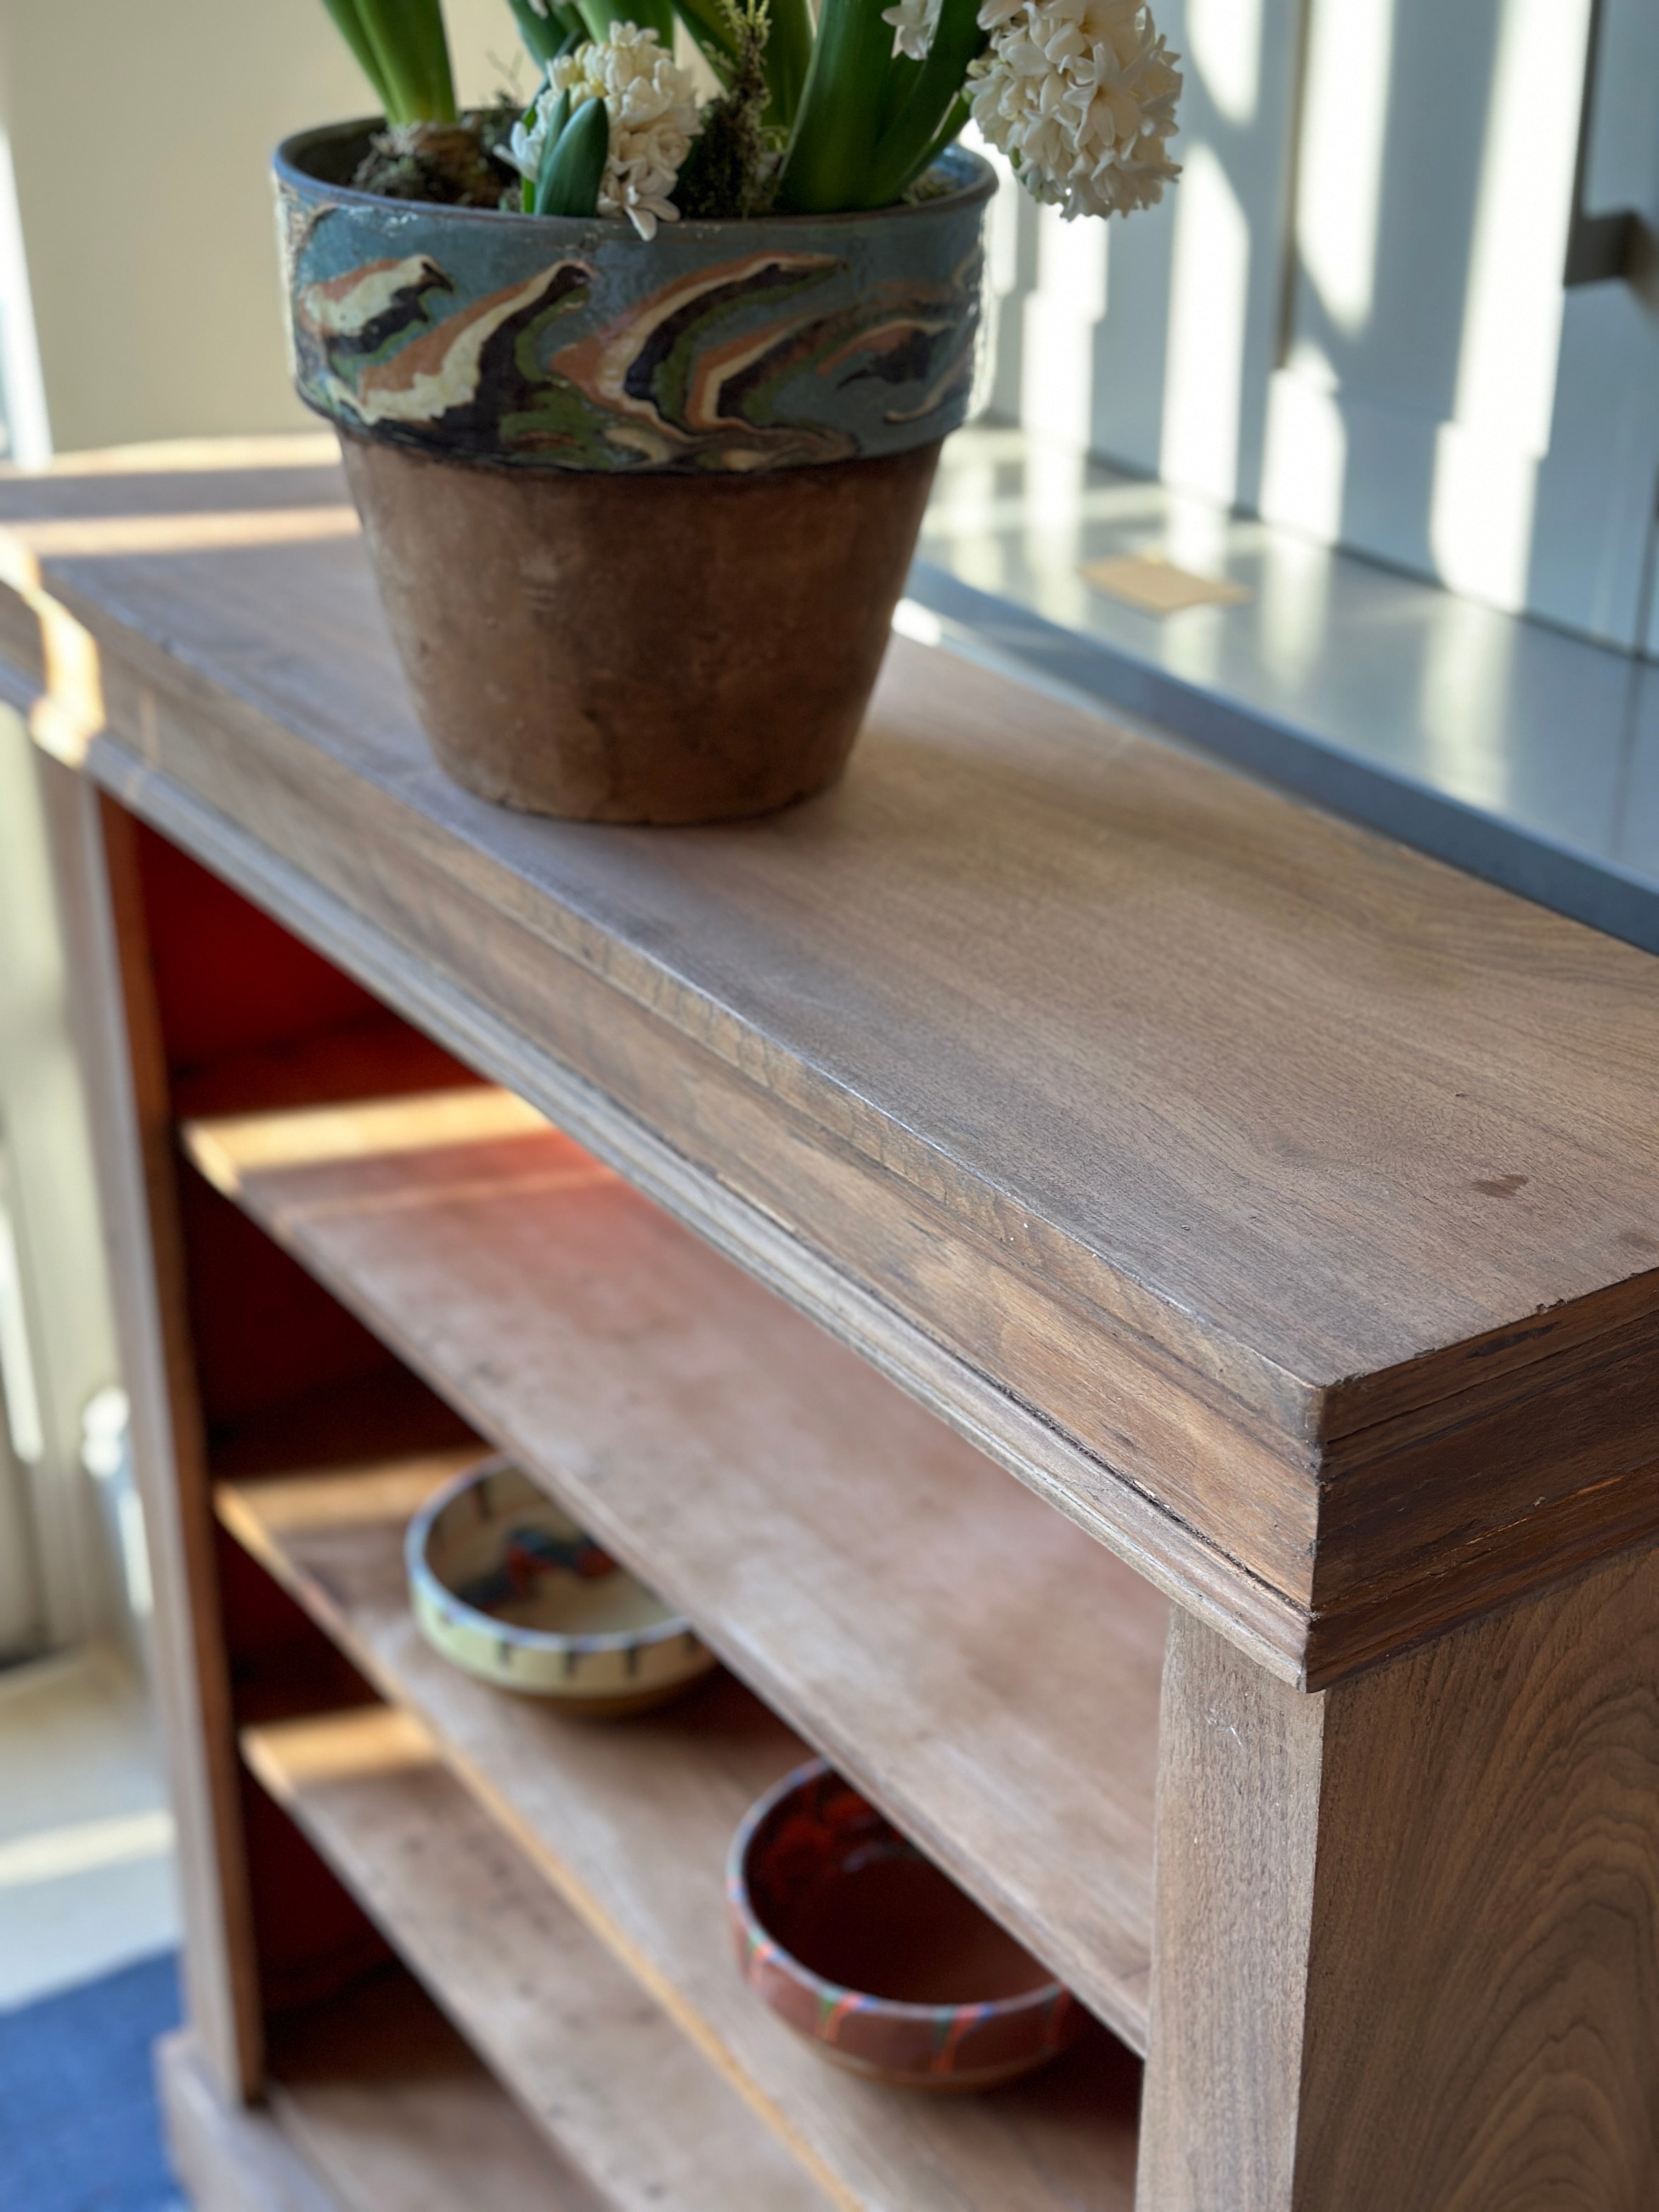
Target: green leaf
(409, 43)
(788, 58)
(916, 133)
(710, 24)
(656, 16)
(947, 133)
(901, 75)
(569, 182)
(544, 35)
(828, 163)
(350, 28)
(557, 124)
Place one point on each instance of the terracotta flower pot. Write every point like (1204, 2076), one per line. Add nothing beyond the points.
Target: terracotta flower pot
(639, 512)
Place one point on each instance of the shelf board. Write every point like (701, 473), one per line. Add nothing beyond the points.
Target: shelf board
(617, 2090)
(374, 2104)
(384, 2098)
(630, 1823)
(981, 1667)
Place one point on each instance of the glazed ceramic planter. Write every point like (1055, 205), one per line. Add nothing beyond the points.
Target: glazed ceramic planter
(639, 512)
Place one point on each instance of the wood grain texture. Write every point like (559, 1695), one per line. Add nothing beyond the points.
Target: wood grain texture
(829, 1537)
(228, 2158)
(124, 1083)
(613, 2085)
(384, 2099)
(631, 1824)
(1176, 1138)
(377, 2105)
(1237, 1826)
(1408, 1935)
(1165, 1551)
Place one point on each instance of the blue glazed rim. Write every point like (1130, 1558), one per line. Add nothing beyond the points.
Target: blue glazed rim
(834, 1997)
(978, 182)
(424, 1578)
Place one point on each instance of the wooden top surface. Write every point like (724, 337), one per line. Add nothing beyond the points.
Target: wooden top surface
(1247, 1151)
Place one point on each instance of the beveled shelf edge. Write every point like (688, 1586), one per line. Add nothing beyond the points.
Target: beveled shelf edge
(1172, 1555)
(1310, 1649)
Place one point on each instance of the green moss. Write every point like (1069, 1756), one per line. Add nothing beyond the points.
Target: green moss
(732, 169)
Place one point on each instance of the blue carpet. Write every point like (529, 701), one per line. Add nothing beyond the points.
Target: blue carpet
(79, 2131)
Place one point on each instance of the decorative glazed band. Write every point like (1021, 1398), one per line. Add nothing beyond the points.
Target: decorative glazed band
(557, 342)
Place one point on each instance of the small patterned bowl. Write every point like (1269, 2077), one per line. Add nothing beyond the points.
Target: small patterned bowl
(862, 1945)
(508, 1586)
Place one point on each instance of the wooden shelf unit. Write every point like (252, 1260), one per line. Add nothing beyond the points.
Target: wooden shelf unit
(622, 2097)
(373, 2104)
(971, 1658)
(1049, 1210)
(630, 1825)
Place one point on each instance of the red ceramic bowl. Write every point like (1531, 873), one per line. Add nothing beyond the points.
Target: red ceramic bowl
(865, 1947)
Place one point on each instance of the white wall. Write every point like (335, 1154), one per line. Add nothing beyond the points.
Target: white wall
(1370, 342)
(140, 132)
(135, 204)
(60, 1350)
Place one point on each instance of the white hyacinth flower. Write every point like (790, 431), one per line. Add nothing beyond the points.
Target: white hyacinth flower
(914, 22)
(652, 107)
(523, 150)
(1081, 95)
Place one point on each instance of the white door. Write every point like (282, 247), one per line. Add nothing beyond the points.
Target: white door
(1352, 314)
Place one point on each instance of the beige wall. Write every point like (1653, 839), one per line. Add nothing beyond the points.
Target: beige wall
(141, 131)
(65, 1344)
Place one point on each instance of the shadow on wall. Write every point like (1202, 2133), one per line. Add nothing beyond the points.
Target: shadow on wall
(1349, 315)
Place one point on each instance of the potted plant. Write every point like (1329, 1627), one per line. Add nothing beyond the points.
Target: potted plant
(639, 390)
